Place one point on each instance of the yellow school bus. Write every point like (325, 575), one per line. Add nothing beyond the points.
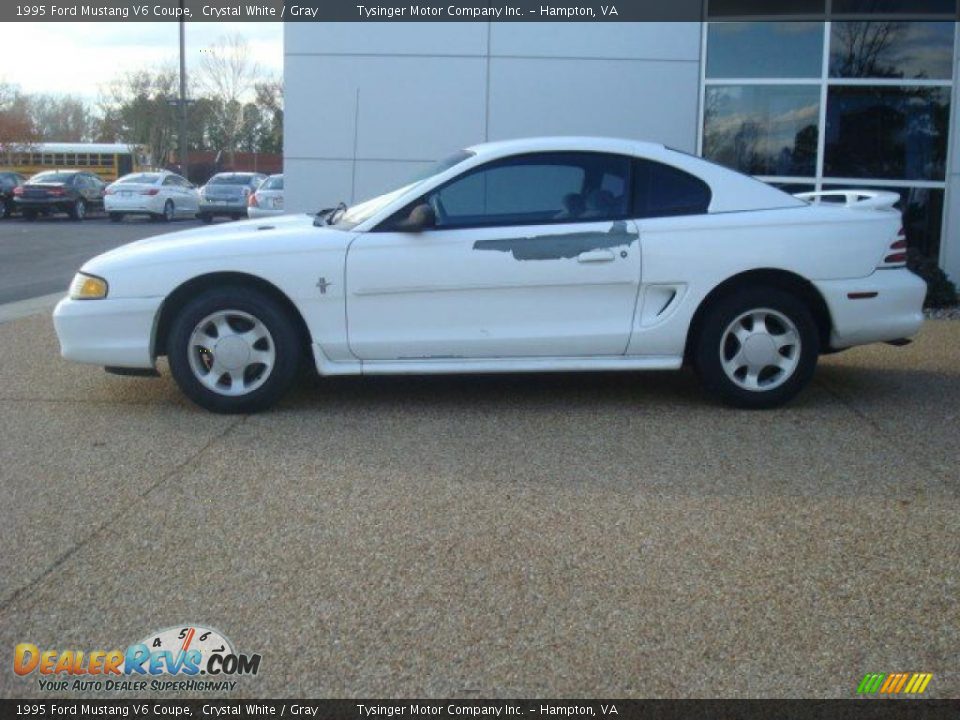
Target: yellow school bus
(108, 160)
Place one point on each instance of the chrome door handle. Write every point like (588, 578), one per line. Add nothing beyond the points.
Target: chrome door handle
(596, 256)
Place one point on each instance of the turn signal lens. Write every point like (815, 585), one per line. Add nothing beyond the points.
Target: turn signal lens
(87, 287)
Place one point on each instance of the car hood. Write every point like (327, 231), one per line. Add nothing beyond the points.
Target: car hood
(287, 233)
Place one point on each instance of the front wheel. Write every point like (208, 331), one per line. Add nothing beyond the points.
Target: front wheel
(757, 348)
(233, 350)
(205, 218)
(4, 210)
(116, 217)
(168, 211)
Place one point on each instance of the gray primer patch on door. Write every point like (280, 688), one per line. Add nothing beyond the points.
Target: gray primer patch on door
(560, 246)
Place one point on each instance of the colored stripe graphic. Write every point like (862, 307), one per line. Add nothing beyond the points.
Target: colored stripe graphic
(894, 683)
(870, 683)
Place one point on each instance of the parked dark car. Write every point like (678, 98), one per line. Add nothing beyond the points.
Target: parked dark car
(8, 181)
(226, 193)
(74, 192)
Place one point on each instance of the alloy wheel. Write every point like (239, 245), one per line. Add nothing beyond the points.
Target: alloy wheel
(231, 352)
(760, 350)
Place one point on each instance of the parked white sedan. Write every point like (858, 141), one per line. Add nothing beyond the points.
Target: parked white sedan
(561, 254)
(162, 195)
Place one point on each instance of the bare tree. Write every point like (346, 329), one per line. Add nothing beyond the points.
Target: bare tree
(16, 126)
(227, 76)
(860, 49)
(135, 109)
(61, 119)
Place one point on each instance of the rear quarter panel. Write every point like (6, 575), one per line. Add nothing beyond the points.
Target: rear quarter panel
(696, 254)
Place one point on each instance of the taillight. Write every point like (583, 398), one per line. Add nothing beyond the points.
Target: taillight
(18, 191)
(57, 192)
(151, 191)
(897, 258)
(253, 202)
(109, 191)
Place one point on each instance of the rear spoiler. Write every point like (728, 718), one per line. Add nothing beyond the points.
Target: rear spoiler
(859, 199)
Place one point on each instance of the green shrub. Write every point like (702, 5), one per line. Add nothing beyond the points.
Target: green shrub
(941, 292)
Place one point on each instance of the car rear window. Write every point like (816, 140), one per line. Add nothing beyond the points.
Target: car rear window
(52, 177)
(272, 183)
(145, 178)
(230, 180)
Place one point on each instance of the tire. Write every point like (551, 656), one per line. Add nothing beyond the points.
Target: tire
(205, 217)
(169, 212)
(30, 215)
(79, 210)
(116, 217)
(4, 210)
(235, 216)
(229, 312)
(757, 348)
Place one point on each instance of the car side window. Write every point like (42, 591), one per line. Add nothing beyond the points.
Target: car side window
(533, 189)
(169, 181)
(663, 191)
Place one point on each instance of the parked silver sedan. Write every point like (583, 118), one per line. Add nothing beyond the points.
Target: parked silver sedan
(227, 194)
(268, 199)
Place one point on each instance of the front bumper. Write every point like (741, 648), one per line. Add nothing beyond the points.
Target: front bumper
(114, 331)
(889, 307)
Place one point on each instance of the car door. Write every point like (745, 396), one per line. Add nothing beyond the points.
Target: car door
(664, 199)
(531, 256)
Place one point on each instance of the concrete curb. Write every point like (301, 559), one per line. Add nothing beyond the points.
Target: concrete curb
(26, 308)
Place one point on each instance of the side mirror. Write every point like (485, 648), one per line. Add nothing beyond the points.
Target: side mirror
(421, 218)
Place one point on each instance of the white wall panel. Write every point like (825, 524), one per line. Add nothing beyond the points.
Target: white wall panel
(649, 41)
(384, 38)
(411, 108)
(310, 185)
(654, 101)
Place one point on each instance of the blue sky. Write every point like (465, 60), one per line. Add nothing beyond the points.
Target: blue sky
(77, 58)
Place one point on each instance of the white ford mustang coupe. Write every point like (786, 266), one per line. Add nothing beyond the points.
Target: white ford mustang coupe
(550, 254)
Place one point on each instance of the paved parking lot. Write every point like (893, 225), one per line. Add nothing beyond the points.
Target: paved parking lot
(566, 535)
(40, 257)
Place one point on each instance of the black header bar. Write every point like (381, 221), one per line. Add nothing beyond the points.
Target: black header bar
(360, 11)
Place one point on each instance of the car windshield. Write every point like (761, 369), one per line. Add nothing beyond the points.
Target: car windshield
(52, 177)
(353, 216)
(145, 178)
(273, 183)
(231, 180)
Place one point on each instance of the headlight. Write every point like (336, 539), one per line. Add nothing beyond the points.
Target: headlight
(87, 287)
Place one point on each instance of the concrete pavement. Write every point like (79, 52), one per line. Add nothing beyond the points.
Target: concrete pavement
(555, 535)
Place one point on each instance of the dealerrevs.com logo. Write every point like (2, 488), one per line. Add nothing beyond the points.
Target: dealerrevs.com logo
(200, 658)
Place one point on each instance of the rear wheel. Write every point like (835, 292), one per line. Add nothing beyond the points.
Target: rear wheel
(4, 209)
(168, 211)
(235, 216)
(116, 217)
(233, 350)
(30, 215)
(758, 348)
(205, 217)
(79, 210)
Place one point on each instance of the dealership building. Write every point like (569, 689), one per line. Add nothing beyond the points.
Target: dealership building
(822, 101)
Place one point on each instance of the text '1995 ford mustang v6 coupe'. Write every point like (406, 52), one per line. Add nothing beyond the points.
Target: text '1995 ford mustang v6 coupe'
(553, 254)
